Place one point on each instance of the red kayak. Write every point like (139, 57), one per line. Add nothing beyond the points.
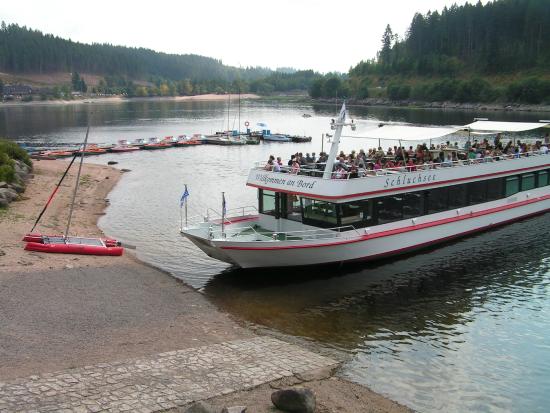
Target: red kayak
(72, 245)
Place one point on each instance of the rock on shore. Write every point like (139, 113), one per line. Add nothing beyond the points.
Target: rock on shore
(9, 192)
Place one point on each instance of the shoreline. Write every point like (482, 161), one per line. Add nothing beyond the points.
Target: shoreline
(410, 104)
(64, 312)
(210, 97)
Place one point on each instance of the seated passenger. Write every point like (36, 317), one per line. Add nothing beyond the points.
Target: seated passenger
(295, 167)
(411, 167)
(340, 173)
(448, 162)
(269, 165)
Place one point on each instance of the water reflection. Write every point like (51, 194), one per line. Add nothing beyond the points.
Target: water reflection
(439, 330)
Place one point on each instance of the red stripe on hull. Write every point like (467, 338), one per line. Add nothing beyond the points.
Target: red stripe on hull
(401, 230)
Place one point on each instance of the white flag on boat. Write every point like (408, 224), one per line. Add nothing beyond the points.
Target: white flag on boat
(343, 113)
(184, 196)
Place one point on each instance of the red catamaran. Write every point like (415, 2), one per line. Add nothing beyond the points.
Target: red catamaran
(65, 244)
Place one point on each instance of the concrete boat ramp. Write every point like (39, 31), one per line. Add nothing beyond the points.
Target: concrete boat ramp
(162, 381)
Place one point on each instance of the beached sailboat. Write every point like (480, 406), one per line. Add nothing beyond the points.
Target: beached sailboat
(65, 244)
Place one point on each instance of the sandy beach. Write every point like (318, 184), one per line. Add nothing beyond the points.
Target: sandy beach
(67, 316)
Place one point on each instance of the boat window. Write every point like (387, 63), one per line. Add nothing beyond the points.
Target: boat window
(267, 202)
(477, 192)
(542, 178)
(527, 181)
(291, 207)
(512, 185)
(458, 196)
(358, 213)
(389, 209)
(495, 189)
(319, 213)
(438, 200)
(413, 204)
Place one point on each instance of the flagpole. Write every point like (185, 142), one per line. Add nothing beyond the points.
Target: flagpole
(186, 211)
(223, 214)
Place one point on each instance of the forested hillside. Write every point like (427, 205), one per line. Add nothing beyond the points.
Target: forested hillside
(133, 71)
(23, 50)
(469, 53)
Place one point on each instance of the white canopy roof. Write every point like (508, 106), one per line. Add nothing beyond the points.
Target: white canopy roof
(485, 125)
(407, 133)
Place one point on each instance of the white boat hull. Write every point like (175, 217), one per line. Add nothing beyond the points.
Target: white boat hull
(381, 241)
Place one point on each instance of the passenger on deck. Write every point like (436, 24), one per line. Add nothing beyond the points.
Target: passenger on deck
(269, 165)
(411, 167)
(295, 167)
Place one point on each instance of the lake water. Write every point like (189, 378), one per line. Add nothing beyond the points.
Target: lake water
(462, 327)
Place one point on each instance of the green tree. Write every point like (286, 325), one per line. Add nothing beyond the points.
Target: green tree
(385, 52)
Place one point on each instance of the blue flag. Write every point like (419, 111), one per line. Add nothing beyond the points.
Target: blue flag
(184, 196)
(224, 205)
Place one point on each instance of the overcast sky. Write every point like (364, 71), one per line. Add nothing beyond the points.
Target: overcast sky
(306, 34)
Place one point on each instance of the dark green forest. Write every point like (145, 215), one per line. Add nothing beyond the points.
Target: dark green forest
(499, 51)
(26, 51)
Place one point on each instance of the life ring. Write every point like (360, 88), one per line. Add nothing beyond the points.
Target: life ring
(247, 124)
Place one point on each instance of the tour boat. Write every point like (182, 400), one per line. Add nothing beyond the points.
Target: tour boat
(123, 146)
(311, 218)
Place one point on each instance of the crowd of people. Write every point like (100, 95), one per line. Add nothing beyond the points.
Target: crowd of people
(398, 158)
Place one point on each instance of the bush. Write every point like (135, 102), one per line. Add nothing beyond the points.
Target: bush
(397, 91)
(530, 90)
(7, 168)
(14, 151)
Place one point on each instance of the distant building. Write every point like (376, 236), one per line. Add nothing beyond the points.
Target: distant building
(17, 90)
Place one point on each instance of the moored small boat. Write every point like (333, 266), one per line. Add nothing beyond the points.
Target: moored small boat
(124, 146)
(277, 137)
(57, 154)
(139, 143)
(170, 140)
(91, 150)
(184, 140)
(300, 139)
(154, 144)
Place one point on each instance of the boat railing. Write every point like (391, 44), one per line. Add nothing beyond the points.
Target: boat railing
(215, 217)
(265, 235)
(360, 172)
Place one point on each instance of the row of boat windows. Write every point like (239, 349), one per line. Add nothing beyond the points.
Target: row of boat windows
(382, 210)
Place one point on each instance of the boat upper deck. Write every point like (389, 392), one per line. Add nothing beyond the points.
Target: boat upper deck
(349, 182)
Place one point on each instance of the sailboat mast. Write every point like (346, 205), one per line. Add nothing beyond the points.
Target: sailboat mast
(228, 107)
(77, 179)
